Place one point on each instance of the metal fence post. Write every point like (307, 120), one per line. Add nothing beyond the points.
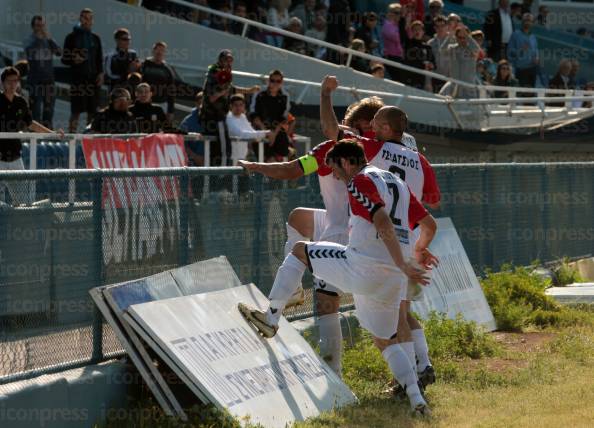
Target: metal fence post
(32, 166)
(99, 271)
(71, 165)
(259, 189)
(184, 207)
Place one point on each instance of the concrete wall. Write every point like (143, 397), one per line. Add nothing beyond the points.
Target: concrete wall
(77, 398)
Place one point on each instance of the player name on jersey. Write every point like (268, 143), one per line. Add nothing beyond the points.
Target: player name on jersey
(400, 160)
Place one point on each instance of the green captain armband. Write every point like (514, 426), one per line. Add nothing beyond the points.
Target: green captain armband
(309, 164)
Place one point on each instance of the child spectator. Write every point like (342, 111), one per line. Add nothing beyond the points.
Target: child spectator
(241, 129)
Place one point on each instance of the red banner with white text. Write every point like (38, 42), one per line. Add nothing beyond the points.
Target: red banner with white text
(140, 214)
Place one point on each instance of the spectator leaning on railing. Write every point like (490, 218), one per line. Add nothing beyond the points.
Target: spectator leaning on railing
(157, 73)
(116, 118)
(561, 80)
(504, 77)
(522, 52)
(15, 116)
(84, 55)
(121, 61)
(150, 118)
(40, 48)
(241, 128)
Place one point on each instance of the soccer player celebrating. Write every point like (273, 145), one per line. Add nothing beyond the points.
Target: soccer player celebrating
(396, 154)
(373, 266)
(329, 224)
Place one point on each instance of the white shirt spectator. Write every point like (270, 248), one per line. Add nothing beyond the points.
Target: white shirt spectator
(506, 26)
(240, 128)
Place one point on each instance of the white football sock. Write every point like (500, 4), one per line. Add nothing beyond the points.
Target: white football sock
(403, 372)
(293, 236)
(331, 341)
(287, 280)
(421, 349)
(409, 348)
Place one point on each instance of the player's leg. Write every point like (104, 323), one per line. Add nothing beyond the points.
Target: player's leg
(404, 336)
(381, 319)
(287, 281)
(328, 320)
(425, 370)
(301, 226)
(327, 257)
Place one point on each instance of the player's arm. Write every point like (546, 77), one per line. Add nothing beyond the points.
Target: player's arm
(431, 193)
(385, 230)
(419, 217)
(277, 170)
(367, 203)
(328, 120)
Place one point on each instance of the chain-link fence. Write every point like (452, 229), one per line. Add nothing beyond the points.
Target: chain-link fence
(126, 224)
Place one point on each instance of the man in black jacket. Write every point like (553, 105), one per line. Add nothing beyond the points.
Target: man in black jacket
(498, 28)
(116, 118)
(161, 76)
(150, 118)
(270, 110)
(121, 61)
(83, 53)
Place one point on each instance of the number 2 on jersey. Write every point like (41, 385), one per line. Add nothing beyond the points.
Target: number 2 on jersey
(394, 188)
(398, 171)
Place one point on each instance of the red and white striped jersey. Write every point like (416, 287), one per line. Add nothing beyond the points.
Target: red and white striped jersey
(370, 190)
(411, 166)
(334, 192)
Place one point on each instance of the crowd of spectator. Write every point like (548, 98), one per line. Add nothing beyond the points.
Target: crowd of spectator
(411, 32)
(142, 91)
(142, 94)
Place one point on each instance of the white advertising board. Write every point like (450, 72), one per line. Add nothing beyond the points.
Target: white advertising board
(114, 300)
(272, 381)
(454, 286)
(136, 353)
(208, 275)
